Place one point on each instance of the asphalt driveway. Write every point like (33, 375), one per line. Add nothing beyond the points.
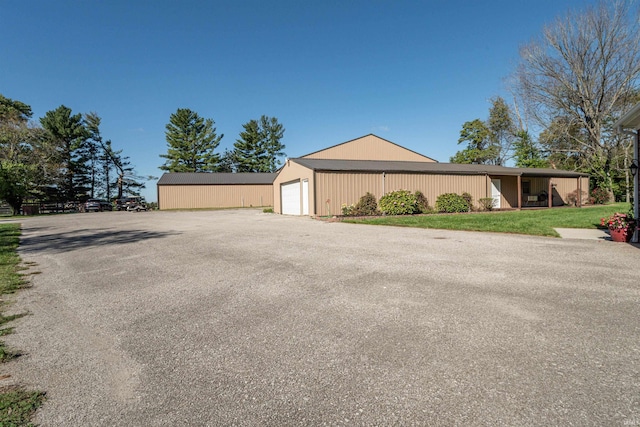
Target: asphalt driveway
(245, 318)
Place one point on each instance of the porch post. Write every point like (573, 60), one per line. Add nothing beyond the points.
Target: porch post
(550, 198)
(519, 191)
(579, 201)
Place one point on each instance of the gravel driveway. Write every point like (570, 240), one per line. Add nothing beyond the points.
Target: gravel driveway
(244, 318)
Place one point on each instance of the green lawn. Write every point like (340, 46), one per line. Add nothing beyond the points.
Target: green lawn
(539, 222)
(16, 405)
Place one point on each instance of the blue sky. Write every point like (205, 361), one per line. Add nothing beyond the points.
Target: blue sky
(411, 72)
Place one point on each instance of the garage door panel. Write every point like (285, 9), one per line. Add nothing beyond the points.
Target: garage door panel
(290, 194)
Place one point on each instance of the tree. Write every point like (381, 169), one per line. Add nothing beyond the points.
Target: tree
(527, 153)
(248, 153)
(479, 149)
(501, 130)
(259, 147)
(272, 132)
(68, 134)
(579, 77)
(21, 156)
(192, 141)
(489, 142)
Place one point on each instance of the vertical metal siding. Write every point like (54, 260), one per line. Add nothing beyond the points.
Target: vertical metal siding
(566, 186)
(369, 148)
(340, 188)
(347, 188)
(432, 185)
(214, 196)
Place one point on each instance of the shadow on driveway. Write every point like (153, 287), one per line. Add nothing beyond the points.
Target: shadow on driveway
(85, 238)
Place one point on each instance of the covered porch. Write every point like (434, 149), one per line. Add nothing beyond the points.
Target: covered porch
(538, 189)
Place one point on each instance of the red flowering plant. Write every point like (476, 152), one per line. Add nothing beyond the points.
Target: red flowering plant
(619, 221)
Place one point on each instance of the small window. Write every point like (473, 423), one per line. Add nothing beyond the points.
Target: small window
(526, 187)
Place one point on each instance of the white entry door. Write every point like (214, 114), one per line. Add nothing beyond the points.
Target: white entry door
(305, 197)
(290, 195)
(496, 186)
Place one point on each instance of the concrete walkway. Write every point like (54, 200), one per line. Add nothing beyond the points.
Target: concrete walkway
(583, 233)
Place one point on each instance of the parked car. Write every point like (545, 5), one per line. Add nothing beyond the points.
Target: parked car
(93, 205)
(106, 206)
(125, 203)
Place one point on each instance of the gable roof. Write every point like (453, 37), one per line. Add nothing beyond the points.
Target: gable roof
(221, 178)
(428, 167)
(369, 145)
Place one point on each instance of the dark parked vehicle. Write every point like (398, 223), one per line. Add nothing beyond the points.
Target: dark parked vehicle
(97, 205)
(92, 205)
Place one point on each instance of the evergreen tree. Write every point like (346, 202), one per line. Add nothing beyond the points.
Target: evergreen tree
(527, 152)
(192, 141)
(259, 147)
(68, 134)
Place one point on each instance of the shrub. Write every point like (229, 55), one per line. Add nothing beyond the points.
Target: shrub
(401, 202)
(267, 210)
(451, 203)
(367, 205)
(599, 196)
(423, 203)
(469, 199)
(486, 203)
(347, 210)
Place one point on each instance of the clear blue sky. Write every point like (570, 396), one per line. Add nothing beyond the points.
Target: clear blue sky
(411, 72)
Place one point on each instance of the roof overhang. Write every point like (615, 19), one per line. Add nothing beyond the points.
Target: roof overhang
(630, 120)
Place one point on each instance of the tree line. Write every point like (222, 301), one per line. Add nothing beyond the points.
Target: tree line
(570, 86)
(192, 142)
(61, 158)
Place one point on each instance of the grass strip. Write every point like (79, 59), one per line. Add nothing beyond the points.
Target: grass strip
(538, 222)
(17, 406)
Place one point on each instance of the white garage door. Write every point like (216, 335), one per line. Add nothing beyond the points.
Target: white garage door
(290, 194)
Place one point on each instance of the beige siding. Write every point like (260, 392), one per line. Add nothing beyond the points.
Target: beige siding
(434, 185)
(369, 147)
(214, 196)
(292, 171)
(335, 189)
(566, 189)
(347, 188)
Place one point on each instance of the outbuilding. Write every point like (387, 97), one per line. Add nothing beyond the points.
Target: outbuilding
(215, 190)
(319, 184)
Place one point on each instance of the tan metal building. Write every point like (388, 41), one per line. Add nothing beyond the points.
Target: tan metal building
(321, 186)
(321, 182)
(215, 190)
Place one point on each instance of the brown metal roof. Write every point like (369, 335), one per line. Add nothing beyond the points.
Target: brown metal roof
(208, 178)
(424, 167)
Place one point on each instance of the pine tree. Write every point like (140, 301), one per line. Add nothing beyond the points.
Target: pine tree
(192, 141)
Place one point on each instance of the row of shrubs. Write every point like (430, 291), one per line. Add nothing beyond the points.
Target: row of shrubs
(404, 202)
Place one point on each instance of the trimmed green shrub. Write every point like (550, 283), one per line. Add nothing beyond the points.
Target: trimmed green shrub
(469, 199)
(451, 203)
(400, 202)
(423, 203)
(367, 205)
